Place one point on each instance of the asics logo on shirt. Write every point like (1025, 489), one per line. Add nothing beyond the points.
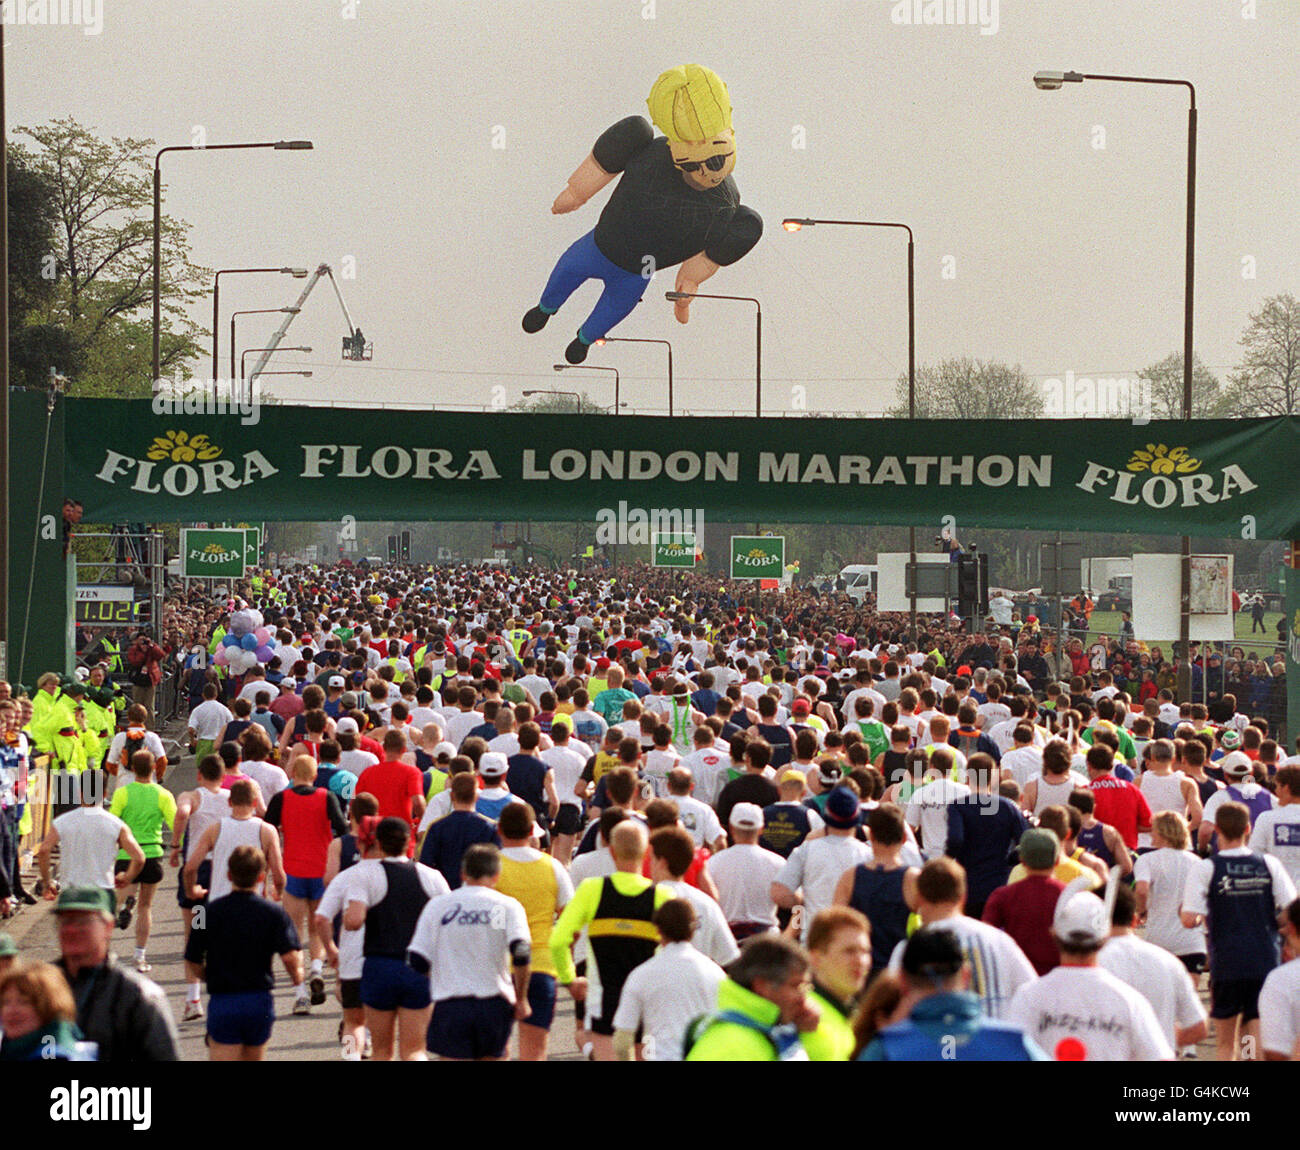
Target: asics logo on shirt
(490, 917)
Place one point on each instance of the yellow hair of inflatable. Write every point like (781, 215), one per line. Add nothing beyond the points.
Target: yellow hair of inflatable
(690, 103)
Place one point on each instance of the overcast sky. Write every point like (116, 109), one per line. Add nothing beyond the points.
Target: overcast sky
(1063, 255)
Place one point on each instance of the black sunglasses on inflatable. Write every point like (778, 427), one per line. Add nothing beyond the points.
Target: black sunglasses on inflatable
(713, 163)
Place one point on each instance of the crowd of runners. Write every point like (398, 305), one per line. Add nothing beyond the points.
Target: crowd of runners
(726, 823)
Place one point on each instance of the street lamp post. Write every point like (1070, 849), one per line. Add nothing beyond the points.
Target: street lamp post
(1050, 82)
(549, 391)
(277, 145)
(794, 225)
(251, 311)
(297, 273)
(758, 341)
(243, 358)
(590, 367)
(669, 346)
(758, 336)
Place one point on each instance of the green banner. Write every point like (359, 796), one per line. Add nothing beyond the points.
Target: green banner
(1231, 477)
(212, 554)
(757, 556)
(674, 551)
(1292, 607)
(252, 546)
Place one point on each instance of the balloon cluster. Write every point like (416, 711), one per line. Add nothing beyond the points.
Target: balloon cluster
(246, 644)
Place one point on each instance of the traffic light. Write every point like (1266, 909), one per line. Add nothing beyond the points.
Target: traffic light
(972, 586)
(392, 549)
(404, 546)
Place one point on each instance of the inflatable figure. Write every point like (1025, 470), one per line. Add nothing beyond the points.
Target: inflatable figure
(676, 203)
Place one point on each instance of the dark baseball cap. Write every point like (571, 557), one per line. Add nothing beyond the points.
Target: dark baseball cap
(933, 952)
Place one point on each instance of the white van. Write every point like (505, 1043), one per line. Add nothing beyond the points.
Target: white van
(859, 578)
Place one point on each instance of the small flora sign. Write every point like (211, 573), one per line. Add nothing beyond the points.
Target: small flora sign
(757, 556)
(674, 550)
(209, 554)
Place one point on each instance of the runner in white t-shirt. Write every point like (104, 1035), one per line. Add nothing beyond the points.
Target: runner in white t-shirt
(1079, 1012)
(88, 839)
(1277, 832)
(699, 818)
(998, 966)
(1279, 999)
(475, 945)
(663, 994)
(1155, 974)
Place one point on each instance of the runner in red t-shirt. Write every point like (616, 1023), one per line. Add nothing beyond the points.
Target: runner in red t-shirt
(398, 786)
(1118, 803)
(309, 818)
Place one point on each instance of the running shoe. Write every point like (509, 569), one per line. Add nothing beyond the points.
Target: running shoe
(193, 1012)
(143, 965)
(301, 1006)
(124, 915)
(317, 987)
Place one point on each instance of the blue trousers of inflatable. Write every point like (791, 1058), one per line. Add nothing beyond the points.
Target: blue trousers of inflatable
(581, 262)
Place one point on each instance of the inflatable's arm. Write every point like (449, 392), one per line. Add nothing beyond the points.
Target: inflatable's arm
(608, 156)
(583, 184)
(742, 234)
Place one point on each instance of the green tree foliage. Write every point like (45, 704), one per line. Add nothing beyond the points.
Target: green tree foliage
(34, 346)
(100, 251)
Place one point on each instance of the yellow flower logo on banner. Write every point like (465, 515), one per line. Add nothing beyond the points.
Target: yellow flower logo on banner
(180, 448)
(1161, 460)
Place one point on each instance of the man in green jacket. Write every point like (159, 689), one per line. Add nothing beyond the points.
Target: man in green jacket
(763, 1008)
(839, 947)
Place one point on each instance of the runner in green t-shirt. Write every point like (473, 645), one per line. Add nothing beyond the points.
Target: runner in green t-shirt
(144, 806)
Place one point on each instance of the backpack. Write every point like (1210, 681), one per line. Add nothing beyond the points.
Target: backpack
(702, 1022)
(134, 742)
(785, 1041)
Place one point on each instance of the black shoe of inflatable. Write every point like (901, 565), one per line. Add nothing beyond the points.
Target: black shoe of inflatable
(576, 352)
(535, 319)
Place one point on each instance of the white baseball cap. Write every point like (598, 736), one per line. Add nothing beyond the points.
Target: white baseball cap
(1081, 918)
(493, 765)
(1236, 763)
(346, 725)
(747, 817)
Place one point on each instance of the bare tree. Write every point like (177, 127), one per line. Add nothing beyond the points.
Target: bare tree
(1165, 380)
(966, 388)
(1267, 381)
